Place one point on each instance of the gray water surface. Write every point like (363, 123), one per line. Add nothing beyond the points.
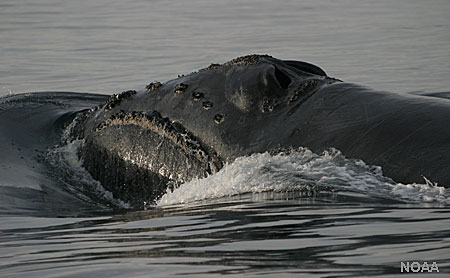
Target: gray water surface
(300, 238)
(110, 46)
(107, 46)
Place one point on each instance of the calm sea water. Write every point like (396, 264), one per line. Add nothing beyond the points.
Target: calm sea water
(245, 221)
(107, 46)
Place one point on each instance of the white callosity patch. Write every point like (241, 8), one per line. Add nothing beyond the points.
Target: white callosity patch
(302, 170)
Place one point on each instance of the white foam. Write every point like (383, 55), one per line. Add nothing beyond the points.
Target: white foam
(301, 170)
(426, 192)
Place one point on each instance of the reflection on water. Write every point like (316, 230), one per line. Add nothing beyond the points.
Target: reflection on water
(300, 236)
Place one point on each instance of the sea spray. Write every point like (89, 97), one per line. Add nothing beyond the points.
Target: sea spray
(302, 170)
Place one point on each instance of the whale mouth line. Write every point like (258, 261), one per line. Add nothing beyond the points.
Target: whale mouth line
(173, 131)
(157, 154)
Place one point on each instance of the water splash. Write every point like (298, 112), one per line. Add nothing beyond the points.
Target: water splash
(75, 178)
(302, 170)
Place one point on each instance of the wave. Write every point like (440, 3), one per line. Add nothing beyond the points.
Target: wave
(303, 171)
(298, 173)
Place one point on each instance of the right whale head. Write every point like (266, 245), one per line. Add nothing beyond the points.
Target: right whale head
(188, 127)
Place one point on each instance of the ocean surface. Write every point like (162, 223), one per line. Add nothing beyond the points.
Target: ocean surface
(259, 216)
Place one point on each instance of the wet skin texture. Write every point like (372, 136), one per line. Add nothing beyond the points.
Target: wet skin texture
(138, 143)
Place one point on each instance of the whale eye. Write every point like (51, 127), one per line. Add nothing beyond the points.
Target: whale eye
(282, 78)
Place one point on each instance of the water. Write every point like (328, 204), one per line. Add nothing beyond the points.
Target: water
(263, 215)
(110, 46)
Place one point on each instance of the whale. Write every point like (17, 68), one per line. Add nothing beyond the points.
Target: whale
(139, 143)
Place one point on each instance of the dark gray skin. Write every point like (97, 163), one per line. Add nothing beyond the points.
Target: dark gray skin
(255, 104)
